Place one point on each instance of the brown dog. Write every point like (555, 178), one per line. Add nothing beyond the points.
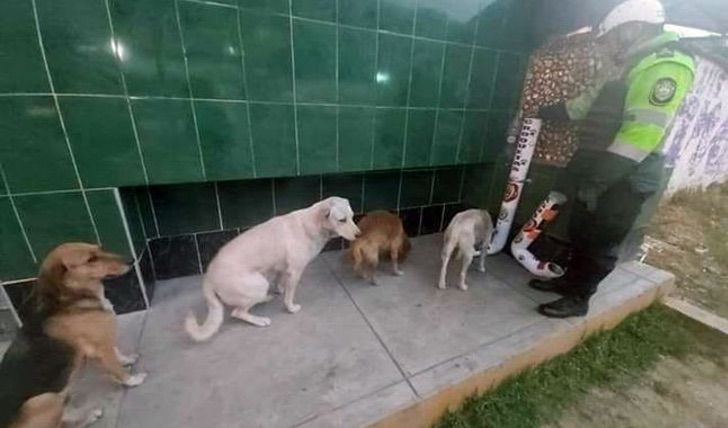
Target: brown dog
(68, 322)
(382, 234)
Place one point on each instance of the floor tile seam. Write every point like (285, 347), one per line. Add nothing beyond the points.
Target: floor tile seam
(371, 328)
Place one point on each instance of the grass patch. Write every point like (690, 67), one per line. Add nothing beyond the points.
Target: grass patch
(539, 396)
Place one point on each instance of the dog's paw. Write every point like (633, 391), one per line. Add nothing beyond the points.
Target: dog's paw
(442, 286)
(135, 380)
(398, 272)
(464, 286)
(94, 416)
(481, 269)
(293, 308)
(128, 360)
(263, 322)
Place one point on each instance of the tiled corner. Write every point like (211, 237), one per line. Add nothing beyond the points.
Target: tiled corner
(70, 220)
(132, 213)
(109, 223)
(186, 92)
(185, 208)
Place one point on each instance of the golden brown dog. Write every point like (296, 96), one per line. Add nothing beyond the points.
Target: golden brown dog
(69, 321)
(382, 234)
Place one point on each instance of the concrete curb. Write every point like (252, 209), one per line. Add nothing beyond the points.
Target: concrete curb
(698, 314)
(429, 409)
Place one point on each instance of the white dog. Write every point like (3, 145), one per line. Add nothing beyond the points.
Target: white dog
(276, 251)
(466, 230)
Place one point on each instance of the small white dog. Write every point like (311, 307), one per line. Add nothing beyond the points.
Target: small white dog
(468, 229)
(276, 251)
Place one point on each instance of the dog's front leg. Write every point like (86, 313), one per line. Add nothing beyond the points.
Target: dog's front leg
(291, 279)
(126, 360)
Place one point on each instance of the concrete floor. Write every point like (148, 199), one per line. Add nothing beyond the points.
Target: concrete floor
(353, 354)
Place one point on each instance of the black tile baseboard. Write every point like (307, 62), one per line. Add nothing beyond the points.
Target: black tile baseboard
(190, 254)
(209, 243)
(174, 256)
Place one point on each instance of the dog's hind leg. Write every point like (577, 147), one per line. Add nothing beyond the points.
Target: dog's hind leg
(483, 253)
(447, 250)
(254, 291)
(44, 410)
(394, 249)
(242, 313)
(81, 418)
(466, 252)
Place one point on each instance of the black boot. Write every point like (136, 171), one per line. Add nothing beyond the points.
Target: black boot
(558, 285)
(571, 306)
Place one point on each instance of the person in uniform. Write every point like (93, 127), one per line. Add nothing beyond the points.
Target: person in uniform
(622, 122)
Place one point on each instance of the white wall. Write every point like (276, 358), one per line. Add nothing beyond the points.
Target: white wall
(697, 145)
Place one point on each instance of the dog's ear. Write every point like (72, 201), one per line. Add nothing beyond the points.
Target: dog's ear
(77, 257)
(49, 286)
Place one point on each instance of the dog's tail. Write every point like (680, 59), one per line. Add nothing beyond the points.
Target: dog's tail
(214, 317)
(405, 249)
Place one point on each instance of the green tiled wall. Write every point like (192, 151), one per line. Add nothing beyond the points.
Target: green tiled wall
(100, 94)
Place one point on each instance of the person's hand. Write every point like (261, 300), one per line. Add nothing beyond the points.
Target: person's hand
(588, 195)
(555, 112)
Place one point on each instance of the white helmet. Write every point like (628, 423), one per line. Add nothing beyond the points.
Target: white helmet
(649, 11)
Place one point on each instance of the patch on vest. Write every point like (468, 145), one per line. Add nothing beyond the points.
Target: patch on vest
(663, 92)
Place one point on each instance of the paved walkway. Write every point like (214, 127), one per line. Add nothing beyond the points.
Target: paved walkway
(352, 355)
